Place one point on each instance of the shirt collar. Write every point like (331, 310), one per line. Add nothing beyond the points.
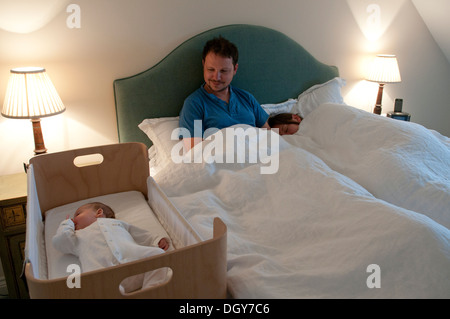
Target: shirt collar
(215, 97)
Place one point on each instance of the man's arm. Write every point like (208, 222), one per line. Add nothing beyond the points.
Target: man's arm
(192, 110)
(266, 125)
(190, 143)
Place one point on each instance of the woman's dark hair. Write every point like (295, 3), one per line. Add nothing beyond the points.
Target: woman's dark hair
(282, 118)
(222, 47)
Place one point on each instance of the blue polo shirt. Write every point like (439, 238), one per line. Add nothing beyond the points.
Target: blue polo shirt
(215, 113)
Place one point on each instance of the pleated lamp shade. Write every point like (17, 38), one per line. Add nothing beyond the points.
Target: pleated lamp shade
(384, 69)
(30, 94)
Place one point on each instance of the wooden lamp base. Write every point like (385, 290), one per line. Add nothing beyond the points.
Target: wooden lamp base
(377, 109)
(39, 146)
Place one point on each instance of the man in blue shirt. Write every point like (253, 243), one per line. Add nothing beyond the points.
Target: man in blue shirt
(216, 103)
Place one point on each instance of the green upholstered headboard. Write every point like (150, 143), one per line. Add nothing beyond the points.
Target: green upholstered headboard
(272, 67)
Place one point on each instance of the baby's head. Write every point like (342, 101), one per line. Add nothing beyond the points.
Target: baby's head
(86, 214)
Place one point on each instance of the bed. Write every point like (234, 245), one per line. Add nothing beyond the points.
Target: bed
(354, 205)
(117, 175)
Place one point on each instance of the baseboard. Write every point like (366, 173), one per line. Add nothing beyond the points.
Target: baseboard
(3, 287)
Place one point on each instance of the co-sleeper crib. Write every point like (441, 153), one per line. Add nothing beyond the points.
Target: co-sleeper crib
(54, 180)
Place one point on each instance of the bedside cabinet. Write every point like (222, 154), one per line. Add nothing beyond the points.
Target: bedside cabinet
(13, 202)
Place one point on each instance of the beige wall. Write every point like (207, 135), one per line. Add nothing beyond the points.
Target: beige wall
(119, 38)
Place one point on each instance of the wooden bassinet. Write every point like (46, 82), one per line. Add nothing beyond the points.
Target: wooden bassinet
(198, 266)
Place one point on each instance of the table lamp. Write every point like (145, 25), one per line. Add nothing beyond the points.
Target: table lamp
(30, 94)
(384, 70)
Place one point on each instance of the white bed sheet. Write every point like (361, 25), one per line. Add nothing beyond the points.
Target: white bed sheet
(400, 162)
(130, 207)
(309, 231)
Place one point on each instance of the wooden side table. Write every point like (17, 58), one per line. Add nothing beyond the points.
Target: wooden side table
(13, 202)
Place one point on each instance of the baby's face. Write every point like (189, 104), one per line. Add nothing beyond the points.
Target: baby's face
(84, 216)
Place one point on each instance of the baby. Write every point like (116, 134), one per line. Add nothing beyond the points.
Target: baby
(99, 240)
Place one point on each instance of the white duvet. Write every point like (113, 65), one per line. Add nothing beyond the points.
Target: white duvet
(400, 162)
(329, 223)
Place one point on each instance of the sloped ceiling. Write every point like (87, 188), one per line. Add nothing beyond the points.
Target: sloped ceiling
(435, 14)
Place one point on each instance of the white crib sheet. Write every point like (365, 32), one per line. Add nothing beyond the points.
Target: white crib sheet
(130, 207)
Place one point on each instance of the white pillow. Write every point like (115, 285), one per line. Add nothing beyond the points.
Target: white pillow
(284, 107)
(328, 92)
(159, 131)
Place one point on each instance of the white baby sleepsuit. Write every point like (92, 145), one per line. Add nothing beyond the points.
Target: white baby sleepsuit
(108, 242)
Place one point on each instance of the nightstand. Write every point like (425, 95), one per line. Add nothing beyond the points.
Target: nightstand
(13, 202)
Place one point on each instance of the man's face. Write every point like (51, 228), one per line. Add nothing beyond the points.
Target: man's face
(218, 72)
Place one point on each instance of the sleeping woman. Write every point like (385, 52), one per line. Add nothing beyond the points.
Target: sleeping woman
(287, 123)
